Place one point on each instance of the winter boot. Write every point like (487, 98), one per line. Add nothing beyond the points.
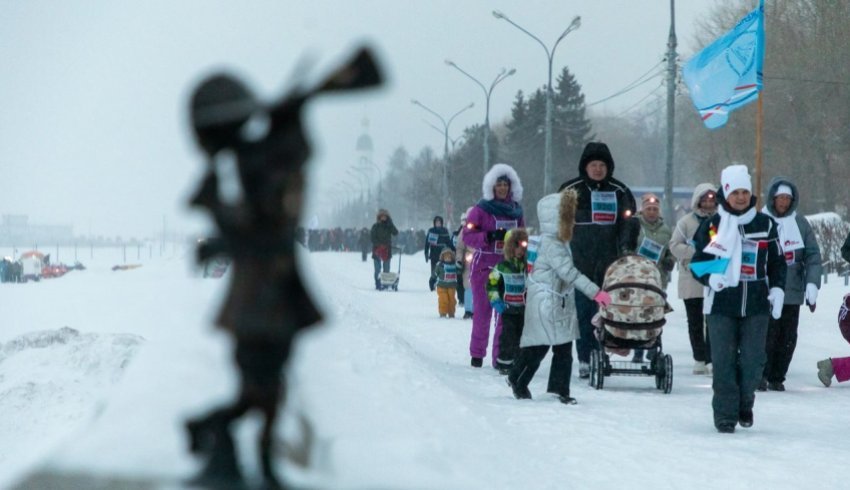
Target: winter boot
(726, 428)
(583, 370)
(212, 437)
(825, 372)
(566, 399)
(745, 418)
(775, 386)
(520, 393)
(699, 368)
(477, 362)
(637, 356)
(467, 315)
(762, 385)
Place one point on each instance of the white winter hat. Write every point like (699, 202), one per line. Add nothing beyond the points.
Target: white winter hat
(783, 189)
(735, 177)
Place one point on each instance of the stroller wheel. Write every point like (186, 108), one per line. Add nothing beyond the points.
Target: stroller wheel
(668, 374)
(597, 375)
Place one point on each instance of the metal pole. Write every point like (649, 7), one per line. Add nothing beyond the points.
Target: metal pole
(550, 56)
(669, 209)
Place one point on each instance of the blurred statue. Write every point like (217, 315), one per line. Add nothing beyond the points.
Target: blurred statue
(267, 303)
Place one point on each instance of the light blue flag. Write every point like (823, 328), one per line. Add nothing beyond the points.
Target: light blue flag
(727, 74)
(714, 266)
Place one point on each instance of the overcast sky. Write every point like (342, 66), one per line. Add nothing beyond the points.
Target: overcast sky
(93, 120)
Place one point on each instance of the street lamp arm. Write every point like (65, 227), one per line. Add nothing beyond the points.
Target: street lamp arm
(470, 106)
(507, 19)
(501, 76)
(452, 64)
(416, 102)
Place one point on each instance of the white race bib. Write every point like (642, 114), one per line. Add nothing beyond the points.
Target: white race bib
(603, 206)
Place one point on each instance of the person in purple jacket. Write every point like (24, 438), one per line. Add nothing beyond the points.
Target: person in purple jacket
(487, 223)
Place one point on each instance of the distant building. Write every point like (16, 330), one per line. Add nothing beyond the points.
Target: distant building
(15, 229)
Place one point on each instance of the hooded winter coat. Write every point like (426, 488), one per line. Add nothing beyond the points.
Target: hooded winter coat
(436, 239)
(682, 245)
(550, 310)
(804, 264)
(606, 227)
(382, 234)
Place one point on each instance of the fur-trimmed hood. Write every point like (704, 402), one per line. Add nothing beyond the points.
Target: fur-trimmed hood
(493, 174)
(447, 251)
(557, 214)
(382, 212)
(771, 194)
(514, 239)
(699, 191)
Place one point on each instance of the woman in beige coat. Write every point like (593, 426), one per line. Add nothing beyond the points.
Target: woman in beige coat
(703, 206)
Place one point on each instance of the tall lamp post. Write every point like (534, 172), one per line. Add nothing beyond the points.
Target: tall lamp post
(487, 92)
(446, 124)
(547, 157)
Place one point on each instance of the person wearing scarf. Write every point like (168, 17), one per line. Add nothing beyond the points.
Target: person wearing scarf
(739, 259)
(486, 225)
(802, 256)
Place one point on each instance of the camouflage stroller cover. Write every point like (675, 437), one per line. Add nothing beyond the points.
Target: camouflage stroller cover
(635, 316)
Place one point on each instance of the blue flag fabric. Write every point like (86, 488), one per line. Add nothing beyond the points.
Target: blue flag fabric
(727, 74)
(715, 266)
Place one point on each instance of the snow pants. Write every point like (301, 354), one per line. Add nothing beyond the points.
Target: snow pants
(512, 324)
(482, 314)
(841, 368)
(697, 333)
(781, 342)
(738, 357)
(528, 362)
(446, 301)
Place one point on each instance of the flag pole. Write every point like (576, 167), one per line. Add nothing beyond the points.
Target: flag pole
(759, 126)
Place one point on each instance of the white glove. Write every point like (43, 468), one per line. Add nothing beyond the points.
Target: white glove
(716, 282)
(776, 297)
(811, 294)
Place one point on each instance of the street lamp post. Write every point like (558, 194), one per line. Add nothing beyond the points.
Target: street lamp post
(446, 124)
(487, 92)
(547, 157)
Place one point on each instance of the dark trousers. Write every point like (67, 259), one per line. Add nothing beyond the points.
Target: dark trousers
(781, 342)
(433, 279)
(379, 265)
(700, 344)
(559, 374)
(737, 353)
(512, 324)
(585, 309)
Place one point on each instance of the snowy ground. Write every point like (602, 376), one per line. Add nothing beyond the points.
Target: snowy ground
(386, 391)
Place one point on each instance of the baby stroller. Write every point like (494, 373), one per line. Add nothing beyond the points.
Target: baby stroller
(389, 280)
(633, 320)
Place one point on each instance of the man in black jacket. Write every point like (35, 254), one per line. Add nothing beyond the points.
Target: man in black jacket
(739, 258)
(605, 229)
(436, 240)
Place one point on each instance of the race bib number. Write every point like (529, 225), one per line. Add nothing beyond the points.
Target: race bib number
(499, 246)
(514, 288)
(531, 252)
(650, 249)
(450, 273)
(432, 238)
(749, 258)
(603, 206)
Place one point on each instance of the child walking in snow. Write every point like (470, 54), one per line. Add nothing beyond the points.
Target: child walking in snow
(446, 274)
(838, 366)
(506, 292)
(550, 311)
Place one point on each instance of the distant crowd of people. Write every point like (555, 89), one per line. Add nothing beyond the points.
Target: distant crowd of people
(339, 239)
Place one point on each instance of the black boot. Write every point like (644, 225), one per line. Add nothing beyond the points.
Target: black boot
(520, 393)
(745, 418)
(477, 362)
(212, 437)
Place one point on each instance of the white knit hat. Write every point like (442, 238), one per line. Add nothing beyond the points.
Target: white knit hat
(735, 177)
(784, 189)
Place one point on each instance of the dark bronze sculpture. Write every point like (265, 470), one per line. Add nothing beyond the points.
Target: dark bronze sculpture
(267, 303)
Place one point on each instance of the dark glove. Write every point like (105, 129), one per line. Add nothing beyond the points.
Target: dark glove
(496, 235)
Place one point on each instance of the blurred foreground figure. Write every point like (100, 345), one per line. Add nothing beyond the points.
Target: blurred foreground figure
(256, 218)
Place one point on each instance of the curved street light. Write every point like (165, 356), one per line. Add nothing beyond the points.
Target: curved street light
(550, 54)
(446, 124)
(487, 93)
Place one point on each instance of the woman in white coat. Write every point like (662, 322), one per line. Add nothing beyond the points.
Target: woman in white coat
(550, 314)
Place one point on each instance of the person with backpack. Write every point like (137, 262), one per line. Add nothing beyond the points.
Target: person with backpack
(436, 239)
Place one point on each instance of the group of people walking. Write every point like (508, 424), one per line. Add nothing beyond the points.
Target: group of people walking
(744, 274)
